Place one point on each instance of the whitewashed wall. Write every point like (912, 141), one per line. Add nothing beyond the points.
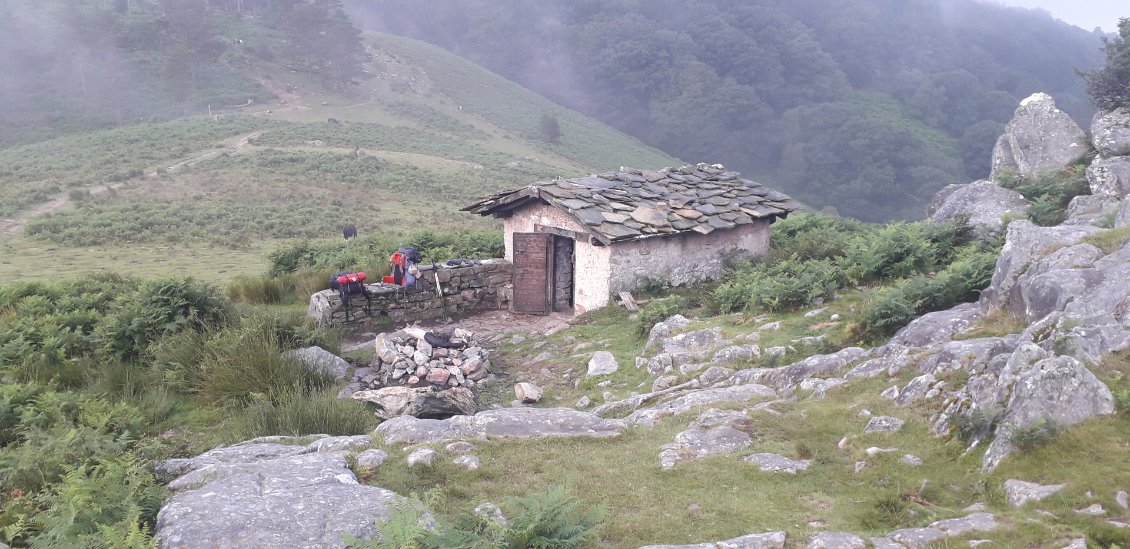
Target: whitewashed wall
(686, 258)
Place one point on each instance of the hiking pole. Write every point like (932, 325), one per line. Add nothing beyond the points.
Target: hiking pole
(439, 291)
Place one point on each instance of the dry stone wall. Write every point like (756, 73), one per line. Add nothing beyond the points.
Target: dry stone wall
(483, 286)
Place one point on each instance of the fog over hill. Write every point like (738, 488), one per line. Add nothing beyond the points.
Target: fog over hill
(869, 107)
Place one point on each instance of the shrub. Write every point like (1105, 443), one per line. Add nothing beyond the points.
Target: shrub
(658, 310)
(1107, 86)
(779, 285)
(160, 307)
(1051, 193)
(295, 413)
(813, 236)
(103, 505)
(1039, 433)
(550, 519)
(978, 424)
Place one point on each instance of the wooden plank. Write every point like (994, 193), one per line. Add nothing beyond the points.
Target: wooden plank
(533, 266)
(628, 302)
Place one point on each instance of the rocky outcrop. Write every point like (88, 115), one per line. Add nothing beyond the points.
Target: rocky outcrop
(502, 423)
(984, 203)
(1109, 178)
(1110, 132)
(269, 495)
(1039, 139)
(1025, 243)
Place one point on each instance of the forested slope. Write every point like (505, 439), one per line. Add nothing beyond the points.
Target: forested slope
(870, 105)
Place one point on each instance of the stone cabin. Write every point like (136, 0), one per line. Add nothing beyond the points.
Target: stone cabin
(574, 243)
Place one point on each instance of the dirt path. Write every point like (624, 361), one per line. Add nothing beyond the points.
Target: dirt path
(12, 226)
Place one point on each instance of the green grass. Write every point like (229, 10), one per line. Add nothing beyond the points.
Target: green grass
(1111, 240)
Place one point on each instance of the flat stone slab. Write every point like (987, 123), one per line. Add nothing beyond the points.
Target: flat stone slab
(768, 540)
(501, 423)
(776, 463)
(883, 424)
(1019, 492)
(700, 398)
(836, 540)
(699, 443)
(280, 499)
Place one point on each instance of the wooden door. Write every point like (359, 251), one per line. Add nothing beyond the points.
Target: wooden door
(533, 267)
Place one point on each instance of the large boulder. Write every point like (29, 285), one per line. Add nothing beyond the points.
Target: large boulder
(424, 402)
(1110, 132)
(937, 327)
(322, 361)
(1039, 139)
(1110, 177)
(983, 202)
(1024, 244)
(268, 495)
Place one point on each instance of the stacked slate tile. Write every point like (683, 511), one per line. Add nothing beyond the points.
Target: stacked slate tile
(632, 204)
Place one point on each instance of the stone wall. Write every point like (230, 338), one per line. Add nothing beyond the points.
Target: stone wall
(685, 258)
(479, 287)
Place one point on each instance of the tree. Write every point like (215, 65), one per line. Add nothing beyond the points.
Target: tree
(550, 129)
(1109, 87)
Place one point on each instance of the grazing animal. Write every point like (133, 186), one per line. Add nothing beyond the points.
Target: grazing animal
(349, 231)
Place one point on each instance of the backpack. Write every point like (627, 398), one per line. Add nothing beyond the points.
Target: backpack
(349, 284)
(401, 261)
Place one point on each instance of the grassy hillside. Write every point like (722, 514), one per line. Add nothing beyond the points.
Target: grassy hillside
(402, 151)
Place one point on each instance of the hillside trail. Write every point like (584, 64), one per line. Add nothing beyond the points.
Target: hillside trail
(11, 226)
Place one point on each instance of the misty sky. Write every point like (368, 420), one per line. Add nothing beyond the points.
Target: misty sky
(1081, 13)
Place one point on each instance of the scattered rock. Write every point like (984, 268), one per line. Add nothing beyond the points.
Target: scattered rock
(1019, 492)
(491, 512)
(911, 460)
(698, 443)
(527, 393)
(1080, 543)
(602, 363)
(875, 450)
(372, 458)
(770, 540)
(1093, 510)
(471, 463)
(890, 393)
(776, 463)
(880, 424)
(461, 447)
(1121, 499)
(421, 456)
(583, 402)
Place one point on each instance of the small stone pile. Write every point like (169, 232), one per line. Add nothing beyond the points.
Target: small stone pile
(406, 358)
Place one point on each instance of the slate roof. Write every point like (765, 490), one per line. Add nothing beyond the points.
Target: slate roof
(633, 204)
